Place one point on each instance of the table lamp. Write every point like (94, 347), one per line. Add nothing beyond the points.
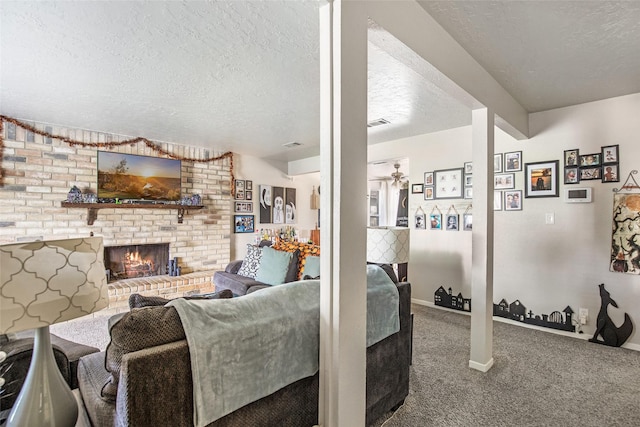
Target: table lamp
(389, 245)
(42, 283)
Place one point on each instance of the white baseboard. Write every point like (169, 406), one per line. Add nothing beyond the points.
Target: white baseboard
(576, 335)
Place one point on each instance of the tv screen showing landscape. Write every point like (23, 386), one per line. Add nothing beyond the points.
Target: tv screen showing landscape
(129, 176)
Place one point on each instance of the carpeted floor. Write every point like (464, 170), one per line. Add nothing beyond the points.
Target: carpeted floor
(538, 379)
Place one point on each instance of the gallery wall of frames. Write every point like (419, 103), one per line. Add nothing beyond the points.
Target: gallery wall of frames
(541, 179)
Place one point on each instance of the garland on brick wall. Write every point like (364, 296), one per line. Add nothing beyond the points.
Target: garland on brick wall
(110, 145)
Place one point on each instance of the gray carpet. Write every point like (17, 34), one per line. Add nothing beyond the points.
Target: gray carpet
(538, 379)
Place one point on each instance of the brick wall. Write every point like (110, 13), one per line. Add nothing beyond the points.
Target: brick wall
(40, 171)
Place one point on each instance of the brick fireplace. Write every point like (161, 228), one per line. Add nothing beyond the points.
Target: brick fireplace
(39, 172)
(134, 261)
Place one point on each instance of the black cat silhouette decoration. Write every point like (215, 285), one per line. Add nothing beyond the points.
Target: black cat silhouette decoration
(610, 333)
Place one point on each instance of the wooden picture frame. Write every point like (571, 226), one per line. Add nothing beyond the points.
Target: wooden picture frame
(448, 183)
(513, 200)
(541, 179)
(243, 224)
(609, 154)
(417, 188)
(513, 161)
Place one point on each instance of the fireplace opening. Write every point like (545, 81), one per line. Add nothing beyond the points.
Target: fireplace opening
(130, 261)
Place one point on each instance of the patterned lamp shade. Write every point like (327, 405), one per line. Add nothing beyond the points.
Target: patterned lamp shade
(388, 245)
(42, 283)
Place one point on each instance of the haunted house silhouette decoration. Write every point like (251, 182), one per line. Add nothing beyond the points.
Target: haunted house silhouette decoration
(518, 312)
(611, 334)
(446, 299)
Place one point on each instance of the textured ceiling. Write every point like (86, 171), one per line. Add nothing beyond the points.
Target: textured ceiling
(244, 76)
(550, 54)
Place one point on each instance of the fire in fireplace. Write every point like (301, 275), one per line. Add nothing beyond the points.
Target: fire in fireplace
(126, 262)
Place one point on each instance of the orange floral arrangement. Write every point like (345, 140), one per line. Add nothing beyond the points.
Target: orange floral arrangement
(304, 248)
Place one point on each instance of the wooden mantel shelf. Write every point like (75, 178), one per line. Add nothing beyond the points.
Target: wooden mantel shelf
(92, 208)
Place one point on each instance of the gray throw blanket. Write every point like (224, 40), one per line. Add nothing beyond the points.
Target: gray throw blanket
(246, 348)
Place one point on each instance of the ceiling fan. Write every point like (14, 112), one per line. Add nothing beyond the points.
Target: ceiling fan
(397, 175)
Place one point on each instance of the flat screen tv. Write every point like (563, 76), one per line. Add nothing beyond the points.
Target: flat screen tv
(129, 176)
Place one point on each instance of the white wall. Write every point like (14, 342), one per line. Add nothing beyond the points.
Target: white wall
(546, 267)
(261, 172)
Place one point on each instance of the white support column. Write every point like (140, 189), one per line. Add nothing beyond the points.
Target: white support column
(482, 241)
(343, 168)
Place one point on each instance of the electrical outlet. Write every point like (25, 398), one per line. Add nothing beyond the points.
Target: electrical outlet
(549, 218)
(583, 315)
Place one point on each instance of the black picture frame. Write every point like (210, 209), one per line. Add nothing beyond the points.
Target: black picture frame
(504, 181)
(610, 172)
(590, 160)
(417, 188)
(571, 157)
(610, 155)
(591, 173)
(541, 179)
(243, 223)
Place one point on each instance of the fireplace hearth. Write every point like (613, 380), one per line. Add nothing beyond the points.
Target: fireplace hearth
(131, 261)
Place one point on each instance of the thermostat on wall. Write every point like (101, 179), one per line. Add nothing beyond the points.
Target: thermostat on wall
(577, 195)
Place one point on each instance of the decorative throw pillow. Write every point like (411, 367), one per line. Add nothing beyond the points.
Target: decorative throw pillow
(304, 248)
(311, 267)
(273, 266)
(251, 262)
(138, 329)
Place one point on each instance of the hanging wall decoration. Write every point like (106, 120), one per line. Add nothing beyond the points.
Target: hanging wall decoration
(435, 219)
(265, 204)
(453, 219)
(420, 219)
(625, 239)
(290, 207)
(278, 205)
(467, 219)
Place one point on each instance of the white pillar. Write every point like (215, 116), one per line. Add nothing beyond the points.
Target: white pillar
(482, 241)
(343, 169)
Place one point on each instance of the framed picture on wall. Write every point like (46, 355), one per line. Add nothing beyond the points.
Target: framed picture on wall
(513, 200)
(497, 163)
(497, 200)
(452, 222)
(248, 195)
(239, 189)
(468, 168)
(468, 193)
(504, 181)
(428, 193)
(248, 185)
(513, 161)
(435, 221)
(428, 178)
(571, 157)
(610, 154)
(467, 221)
(590, 160)
(417, 188)
(610, 173)
(571, 175)
(541, 179)
(243, 224)
(448, 183)
(587, 174)
(243, 207)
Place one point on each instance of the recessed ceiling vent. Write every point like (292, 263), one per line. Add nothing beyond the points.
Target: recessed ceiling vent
(378, 122)
(291, 144)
